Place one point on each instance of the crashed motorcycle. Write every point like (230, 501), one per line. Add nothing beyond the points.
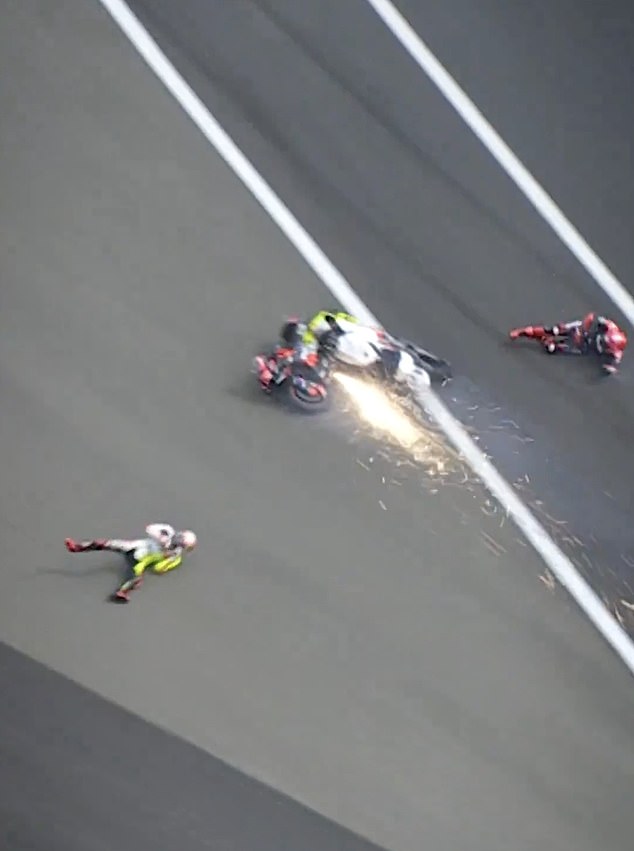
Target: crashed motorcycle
(398, 363)
(438, 369)
(295, 376)
(568, 342)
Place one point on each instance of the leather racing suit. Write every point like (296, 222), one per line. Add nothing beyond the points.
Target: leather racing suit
(594, 333)
(162, 549)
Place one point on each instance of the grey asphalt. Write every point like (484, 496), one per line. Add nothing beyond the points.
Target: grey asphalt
(555, 81)
(434, 237)
(79, 773)
(355, 633)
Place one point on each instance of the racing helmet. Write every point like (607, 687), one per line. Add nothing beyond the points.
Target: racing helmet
(614, 341)
(291, 332)
(185, 539)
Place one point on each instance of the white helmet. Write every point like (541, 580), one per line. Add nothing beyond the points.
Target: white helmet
(186, 539)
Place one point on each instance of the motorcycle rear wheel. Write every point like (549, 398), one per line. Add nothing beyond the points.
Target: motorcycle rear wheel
(304, 401)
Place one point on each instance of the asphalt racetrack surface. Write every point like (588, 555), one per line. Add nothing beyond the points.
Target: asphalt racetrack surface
(431, 233)
(358, 631)
(81, 773)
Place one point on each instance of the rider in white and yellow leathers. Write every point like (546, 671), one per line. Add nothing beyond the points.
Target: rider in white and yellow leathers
(162, 549)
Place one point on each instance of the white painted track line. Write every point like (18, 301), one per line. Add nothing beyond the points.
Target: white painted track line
(497, 147)
(558, 563)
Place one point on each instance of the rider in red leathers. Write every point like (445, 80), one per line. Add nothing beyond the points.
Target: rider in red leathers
(594, 333)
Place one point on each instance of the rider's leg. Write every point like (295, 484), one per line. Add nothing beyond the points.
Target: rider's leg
(114, 545)
(589, 323)
(535, 332)
(133, 577)
(264, 371)
(538, 332)
(269, 367)
(543, 334)
(123, 545)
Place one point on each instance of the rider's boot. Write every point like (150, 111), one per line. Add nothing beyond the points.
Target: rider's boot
(534, 332)
(122, 594)
(265, 373)
(85, 546)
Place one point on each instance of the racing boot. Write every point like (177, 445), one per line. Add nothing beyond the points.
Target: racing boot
(534, 332)
(264, 372)
(85, 546)
(122, 594)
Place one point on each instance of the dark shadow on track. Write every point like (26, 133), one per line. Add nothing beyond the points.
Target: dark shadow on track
(80, 774)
